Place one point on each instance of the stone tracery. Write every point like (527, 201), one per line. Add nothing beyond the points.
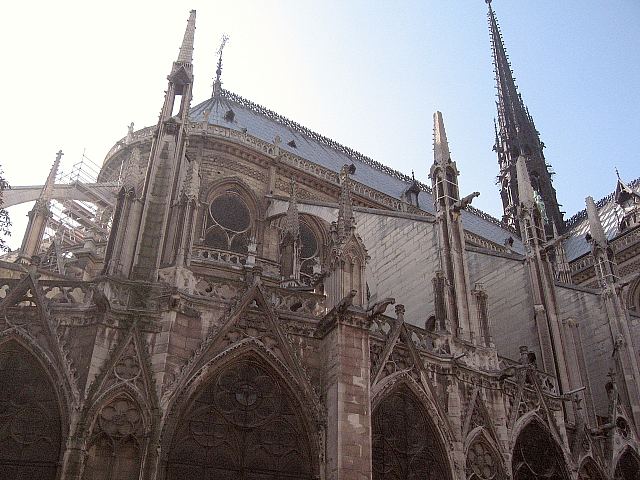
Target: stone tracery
(405, 443)
(115, 444)
(242, 424)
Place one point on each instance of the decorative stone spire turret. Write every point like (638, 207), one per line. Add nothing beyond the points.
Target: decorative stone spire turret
(516, 135)
(39, 215)
(290, 243)
(346, 222)
(150, 234)
(625, 360)
(454, 297)
(346, 261)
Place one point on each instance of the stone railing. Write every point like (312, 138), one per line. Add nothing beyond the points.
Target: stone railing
(202, 254)
(548, 383)
(474, 239)
(282, 299)
(307, 303)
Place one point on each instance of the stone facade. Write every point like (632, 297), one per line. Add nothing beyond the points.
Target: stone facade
(258, 310)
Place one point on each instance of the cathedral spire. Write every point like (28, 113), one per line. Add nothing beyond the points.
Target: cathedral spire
(516, 135)
(186, 49)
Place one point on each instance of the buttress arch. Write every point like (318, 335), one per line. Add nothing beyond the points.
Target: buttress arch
(240, 417)
(405, 441)
(34, 421)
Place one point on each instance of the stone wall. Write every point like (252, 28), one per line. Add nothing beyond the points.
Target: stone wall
(404, 258)
(510, 307)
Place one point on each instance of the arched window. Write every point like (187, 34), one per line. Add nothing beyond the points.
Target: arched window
(628, 467)
(405, 442)
(310, 251)
(589, 471)
(483, 462)
(30, 424)
(242, 424)
(536, 456)
(115, 449)
(228, 222)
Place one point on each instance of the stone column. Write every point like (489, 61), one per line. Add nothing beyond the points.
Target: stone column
(347, 395)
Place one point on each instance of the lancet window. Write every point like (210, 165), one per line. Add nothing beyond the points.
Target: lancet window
(536, 456)
(242, 424)
(115, 445)
(405, 442)
(228, 222)
(310, 252)
(589, 471)
(30, 423)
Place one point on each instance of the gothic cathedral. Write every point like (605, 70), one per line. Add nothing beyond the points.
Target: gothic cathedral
(234, 296)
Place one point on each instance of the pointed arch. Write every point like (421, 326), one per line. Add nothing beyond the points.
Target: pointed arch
(483, 458)
(536, 454)
(627, 466)
(117, 436)
(589, 470)
(406, 441)
(34, 416)
(242, 413)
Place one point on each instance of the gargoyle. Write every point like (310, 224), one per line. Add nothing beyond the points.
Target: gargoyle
(346, 302)
(380, 307)
(465, 202)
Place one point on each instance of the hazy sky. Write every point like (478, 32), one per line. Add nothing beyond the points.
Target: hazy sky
(367, 73)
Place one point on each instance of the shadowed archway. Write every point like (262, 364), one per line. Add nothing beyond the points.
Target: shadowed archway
(243, 423)
(628, 466)
(406, 445)
(536, 456)
(30, 419)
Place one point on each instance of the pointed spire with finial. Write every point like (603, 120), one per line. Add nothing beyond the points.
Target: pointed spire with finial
(186, 49)
(516, 135)
(525, 190)
(595, 225)
(292, 220)
(441, 153)
(217, 83)
(346, 221)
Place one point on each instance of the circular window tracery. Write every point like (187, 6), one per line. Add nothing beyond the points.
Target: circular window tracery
(228, 223)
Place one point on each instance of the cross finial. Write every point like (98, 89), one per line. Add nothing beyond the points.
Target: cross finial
(59, 155)
(217, 84)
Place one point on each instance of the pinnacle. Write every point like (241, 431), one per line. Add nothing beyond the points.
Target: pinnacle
(441, 153)
(186, 49)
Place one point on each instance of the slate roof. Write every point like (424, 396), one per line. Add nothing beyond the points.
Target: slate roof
(298, 140)
(610, 215)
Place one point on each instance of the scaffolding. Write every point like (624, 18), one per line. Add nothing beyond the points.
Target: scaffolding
(72, 222)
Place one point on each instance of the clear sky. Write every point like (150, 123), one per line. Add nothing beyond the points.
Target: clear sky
(367, 73)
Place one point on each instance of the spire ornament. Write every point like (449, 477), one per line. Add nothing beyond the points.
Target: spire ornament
(217, 84)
